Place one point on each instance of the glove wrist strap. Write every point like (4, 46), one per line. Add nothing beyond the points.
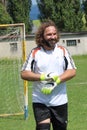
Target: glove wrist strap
(58, 80)
(42, 77)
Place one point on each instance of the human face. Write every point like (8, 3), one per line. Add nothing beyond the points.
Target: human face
(50, 37)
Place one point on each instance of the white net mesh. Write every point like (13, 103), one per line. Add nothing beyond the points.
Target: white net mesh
(11, 84)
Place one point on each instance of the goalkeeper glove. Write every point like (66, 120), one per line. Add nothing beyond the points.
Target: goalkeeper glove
(54, 77)
(48, 88)
(50, 77)
(45, 77)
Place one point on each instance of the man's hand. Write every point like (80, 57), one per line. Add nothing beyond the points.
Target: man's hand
(45, 77)
(48, 88)
(53, 80)
(50, 77)
(56, 79)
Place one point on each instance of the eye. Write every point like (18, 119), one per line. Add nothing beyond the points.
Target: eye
(55, 34)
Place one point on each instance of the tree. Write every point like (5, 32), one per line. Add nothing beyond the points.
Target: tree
(46, 9)
(85, 10)
(4, 16)
(19, 10)
(65, 13)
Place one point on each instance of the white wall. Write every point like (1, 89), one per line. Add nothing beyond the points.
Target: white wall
(81, 48)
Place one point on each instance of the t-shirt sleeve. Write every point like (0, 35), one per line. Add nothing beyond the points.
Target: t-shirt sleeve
(28, 63)
(69, 60)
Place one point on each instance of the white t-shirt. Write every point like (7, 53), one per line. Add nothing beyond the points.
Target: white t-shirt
(42, 61)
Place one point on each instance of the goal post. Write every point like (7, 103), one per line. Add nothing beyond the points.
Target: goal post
(13, 90)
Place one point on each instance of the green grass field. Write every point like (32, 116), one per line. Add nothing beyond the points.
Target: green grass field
(77, 95)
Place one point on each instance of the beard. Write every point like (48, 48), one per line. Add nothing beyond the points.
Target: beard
(50, 43)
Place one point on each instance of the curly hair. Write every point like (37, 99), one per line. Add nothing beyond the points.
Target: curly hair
(39, 34)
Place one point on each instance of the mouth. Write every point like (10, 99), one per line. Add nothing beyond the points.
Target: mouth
(50, 43)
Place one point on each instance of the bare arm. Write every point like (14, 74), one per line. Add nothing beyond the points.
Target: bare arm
(30, 76)
(67, 75)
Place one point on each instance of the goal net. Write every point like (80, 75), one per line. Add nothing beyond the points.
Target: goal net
(13, 90)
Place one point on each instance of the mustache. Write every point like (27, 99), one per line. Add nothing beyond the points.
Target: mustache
(49, 43)
(52, 40)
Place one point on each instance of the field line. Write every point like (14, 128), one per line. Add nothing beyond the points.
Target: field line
(80, 83)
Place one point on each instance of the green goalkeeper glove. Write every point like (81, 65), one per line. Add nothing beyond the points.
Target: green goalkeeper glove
(48, 87)
(45, 77)
(50, 77)
(56, 79)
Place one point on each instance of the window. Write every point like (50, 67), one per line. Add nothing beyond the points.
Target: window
(71, 42)
(63, 41)
(78, 40)
(13, 47)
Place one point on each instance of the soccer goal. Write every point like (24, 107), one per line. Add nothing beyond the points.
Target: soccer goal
(13, 90)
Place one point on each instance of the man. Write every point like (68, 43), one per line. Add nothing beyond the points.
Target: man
(49, 66)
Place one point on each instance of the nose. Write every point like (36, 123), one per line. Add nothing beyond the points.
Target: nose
(52, 36)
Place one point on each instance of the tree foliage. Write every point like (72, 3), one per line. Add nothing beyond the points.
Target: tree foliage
(4, 16)
(65, 13)
(85, 10)
(19, 11)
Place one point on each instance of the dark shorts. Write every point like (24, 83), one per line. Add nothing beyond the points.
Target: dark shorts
(57, 114)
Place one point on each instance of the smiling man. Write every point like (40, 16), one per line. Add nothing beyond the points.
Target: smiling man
(49, 66)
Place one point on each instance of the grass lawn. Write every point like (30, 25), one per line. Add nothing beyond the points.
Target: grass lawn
(36, 23)
(77, 95)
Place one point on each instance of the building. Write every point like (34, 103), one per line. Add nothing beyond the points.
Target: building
(76, 43)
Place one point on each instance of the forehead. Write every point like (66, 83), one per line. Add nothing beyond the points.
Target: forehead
(50, 29)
